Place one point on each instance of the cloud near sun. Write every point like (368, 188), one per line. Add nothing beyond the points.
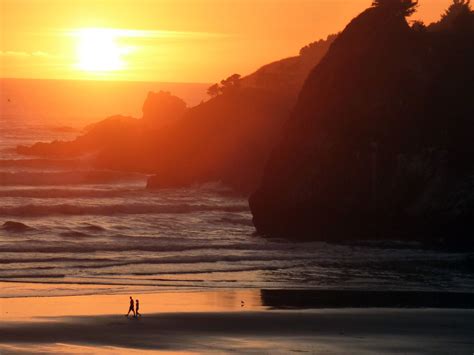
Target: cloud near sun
(104, 53)
(104, 49)
(24, 54)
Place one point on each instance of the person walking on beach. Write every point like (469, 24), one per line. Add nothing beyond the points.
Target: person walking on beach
(137, 306)
(132, 308)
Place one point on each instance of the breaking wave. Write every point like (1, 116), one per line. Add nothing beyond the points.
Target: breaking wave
(38, 210)
(42, 163)
(67, 192)
(66, 178)
(18, 227)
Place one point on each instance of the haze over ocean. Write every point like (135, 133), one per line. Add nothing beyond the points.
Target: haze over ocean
(76, 103)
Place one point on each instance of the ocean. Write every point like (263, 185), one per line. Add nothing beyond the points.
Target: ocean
(68, 229)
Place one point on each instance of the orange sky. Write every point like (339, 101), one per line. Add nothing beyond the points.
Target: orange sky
(165, 40)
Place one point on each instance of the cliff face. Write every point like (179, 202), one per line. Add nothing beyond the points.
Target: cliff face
(377, 146)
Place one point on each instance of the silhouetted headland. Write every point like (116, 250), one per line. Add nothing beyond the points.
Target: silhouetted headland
(227, 138)
(379, 144)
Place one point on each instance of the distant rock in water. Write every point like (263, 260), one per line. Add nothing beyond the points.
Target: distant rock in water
(380, 142)
(12, 226)
(98, 137)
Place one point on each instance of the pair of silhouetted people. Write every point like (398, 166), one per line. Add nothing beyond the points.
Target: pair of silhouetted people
(134, 308)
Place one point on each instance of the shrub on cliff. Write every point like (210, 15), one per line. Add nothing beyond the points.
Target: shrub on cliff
(404, 8)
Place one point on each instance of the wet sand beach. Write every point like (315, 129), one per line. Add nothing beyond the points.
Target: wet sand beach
(219, 322)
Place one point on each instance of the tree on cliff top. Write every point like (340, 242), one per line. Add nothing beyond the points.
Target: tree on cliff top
(232, 82)
(214, 90)
(459, 10)
(399, 7)
(459, 17)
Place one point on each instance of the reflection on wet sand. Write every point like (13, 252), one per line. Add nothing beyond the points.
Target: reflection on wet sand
(150, 303)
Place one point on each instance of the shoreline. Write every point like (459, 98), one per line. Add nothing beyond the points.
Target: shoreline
(101, 300)
(217, 321)
(155, 301)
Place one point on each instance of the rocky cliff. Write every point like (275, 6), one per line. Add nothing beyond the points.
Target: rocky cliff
(380, 142)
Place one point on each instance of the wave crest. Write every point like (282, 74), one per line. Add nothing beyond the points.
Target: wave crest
(66, 178)
(35, 210)
(12, 226)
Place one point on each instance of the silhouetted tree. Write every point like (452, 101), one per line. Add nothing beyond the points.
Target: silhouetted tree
(214, 90)
(458, 17)
(317, 47)
(418, 26)
(231, 82)
(457, 7)
(458, 10)
(399, 7)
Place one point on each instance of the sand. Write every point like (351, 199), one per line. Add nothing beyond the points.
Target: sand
(218, 322)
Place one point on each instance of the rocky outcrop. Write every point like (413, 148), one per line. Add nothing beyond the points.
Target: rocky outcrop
(378, 143)
(226, 139)
(97, 137)
(162, 108)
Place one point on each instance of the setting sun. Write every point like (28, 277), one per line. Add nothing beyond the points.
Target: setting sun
(118, 40)
(98, 50)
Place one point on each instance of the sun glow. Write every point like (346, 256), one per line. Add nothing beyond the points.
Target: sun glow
(98, 50)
